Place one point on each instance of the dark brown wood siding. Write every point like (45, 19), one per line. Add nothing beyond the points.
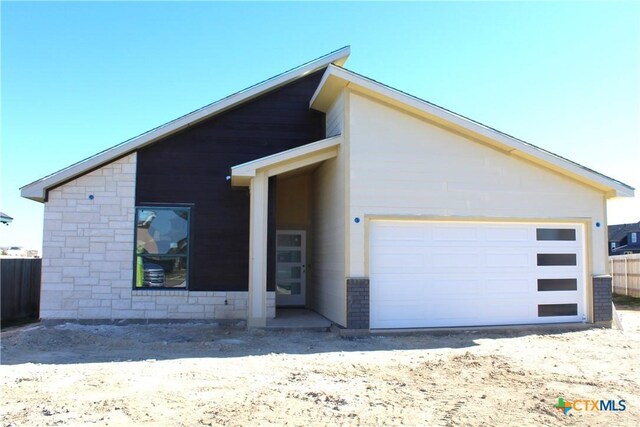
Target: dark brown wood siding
(192, 166)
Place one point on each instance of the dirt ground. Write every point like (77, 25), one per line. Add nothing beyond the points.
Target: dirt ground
(199, 374)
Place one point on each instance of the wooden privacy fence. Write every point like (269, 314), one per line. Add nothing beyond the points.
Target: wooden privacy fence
(20, 283)
(625, 273)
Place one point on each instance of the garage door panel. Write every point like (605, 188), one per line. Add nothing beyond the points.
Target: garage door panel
(512, 286)
(413, 312)
(400, 232)
(507, 259)
(462, 259)
(409, 287)
(507, 235)
(558, 297)
(454, 234)
(506, 311)
(432, 274)
(398, 261)
(451, 287)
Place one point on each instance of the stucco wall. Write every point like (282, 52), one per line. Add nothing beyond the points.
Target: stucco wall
(402, 165)
(294, 202)
(87, 267)
(328, 286)
(335, 117)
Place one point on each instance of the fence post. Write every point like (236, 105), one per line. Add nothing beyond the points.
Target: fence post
(613, 274)
(626, 278)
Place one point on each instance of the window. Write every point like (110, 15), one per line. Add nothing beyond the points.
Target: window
(556, 234)
(546, 285)
(556, 259)
(634, 237)
(549, 310)
(162, 247)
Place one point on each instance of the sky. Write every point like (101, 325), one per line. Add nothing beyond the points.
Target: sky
(80, 77)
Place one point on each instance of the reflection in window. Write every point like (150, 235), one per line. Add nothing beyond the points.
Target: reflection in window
(162, 247)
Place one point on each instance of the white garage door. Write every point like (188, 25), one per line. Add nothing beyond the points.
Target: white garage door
(433, 273)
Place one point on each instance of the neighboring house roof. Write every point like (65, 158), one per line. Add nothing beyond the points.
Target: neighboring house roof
(618, 232)
(335, 78)
(37, 190)
(4, 218)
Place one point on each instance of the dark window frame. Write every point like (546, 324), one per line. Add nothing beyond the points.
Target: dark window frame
(162, 206)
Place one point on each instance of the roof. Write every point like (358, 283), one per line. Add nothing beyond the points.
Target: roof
(333, 81)
(618, 232)
(336, 78)
(285, 161)
(37, 190)
(5, 218)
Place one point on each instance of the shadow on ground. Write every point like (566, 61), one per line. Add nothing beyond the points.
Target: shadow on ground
(74, 343)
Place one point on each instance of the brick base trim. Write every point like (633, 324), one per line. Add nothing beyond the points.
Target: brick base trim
(602, 311)
(358, 303)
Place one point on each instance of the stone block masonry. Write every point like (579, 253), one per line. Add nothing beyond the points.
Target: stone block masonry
(87, 265)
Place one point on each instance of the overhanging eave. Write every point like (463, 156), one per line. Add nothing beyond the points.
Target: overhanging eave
(286, 161)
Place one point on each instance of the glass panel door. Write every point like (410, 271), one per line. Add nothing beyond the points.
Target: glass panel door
(290, 268)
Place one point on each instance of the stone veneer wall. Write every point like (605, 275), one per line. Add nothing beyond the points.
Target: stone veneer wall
(87, 266)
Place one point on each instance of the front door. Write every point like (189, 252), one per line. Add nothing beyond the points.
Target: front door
(290, 268)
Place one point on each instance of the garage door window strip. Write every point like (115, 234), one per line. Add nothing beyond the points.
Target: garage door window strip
(556, 259)
(549, 310)
(555, 234)
(545, 285)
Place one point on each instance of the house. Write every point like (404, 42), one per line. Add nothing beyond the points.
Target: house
(624, 239)
(5, 219)
(324, 189)
(18, 252)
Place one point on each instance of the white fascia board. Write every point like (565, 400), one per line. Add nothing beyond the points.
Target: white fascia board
(37, 190)
(340, 77)
(286, 160)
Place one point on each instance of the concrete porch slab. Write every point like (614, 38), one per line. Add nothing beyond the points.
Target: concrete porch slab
(298, 318)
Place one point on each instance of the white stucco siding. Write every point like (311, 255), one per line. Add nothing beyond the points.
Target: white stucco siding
(335, 117)
(327, 269)
(327, 287)
(404, 166)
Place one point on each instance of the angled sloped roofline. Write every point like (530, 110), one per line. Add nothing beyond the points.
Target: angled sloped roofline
(337, 77)
(37, 190)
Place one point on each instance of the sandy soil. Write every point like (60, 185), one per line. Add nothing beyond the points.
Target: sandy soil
(196, 374)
